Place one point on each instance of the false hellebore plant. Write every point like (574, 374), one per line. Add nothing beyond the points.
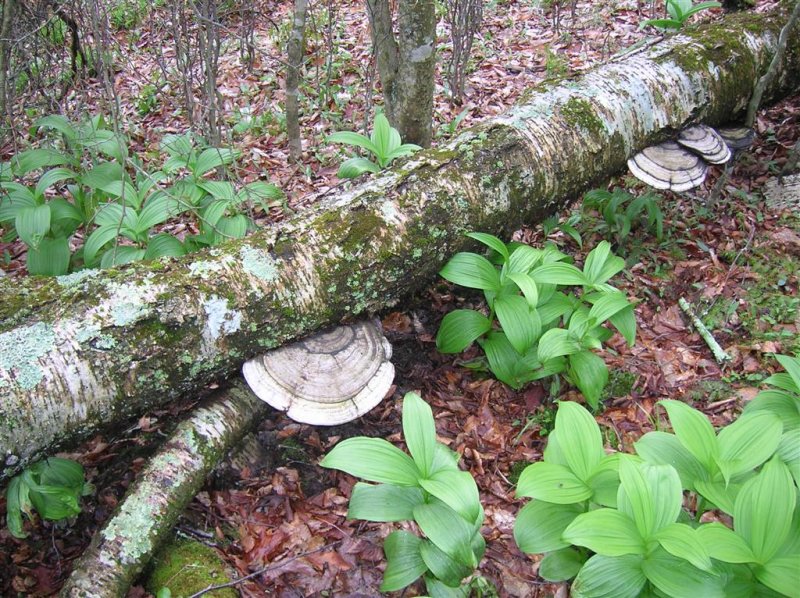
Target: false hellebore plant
(617, 525)
(427, 488)
(534, 330)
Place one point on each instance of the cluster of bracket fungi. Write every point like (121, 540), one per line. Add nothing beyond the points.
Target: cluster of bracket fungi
(682, 164)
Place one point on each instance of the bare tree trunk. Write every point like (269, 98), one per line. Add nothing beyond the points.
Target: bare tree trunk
(295, 49)
(406, 65)
(124, 545)
(5, 49)
(82, 351)
(209, 48)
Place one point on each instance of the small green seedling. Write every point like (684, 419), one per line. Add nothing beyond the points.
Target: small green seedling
(384, 144)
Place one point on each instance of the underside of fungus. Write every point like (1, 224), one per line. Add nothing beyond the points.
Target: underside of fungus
(706, 143)
(327, 379)
(668, 166)
(737, 137)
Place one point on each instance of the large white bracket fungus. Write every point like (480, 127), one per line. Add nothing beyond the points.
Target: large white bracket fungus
(668, 166)
(706, 143)
(326, 379)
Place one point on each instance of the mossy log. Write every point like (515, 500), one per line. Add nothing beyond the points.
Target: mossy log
(145, 517)
(84, 350)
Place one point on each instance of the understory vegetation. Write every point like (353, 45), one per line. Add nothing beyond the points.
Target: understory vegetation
(556, 425)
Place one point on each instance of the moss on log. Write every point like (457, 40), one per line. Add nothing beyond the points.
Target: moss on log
(83, 350)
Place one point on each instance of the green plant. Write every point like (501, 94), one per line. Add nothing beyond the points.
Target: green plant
(526, 342)
(52, 487)
(621, 211)
(147, 99)
(784, 398)
(384, 144)
(553, 224)
(679, 11)
(449, 129)
(427, 488)
(618, 525)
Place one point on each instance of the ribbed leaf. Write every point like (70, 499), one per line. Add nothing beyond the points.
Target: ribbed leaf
(610, 577)
(419, 432)
(552, 483)
(579, 439)
(605, 531)
(457, 490)
(678, 578)
(561, 565)
(682, 541)
(384, 502)
(589, 373)
(443, 566)
(747, 443)
(665, 449)
(472, 271)
(523, 258)
(521, 325)
(491, 242)
(374, 460)
(459, 329)
(350, 138)
(51, 258)
(212, 158)
(650, 494)
(404, 564)
(32, 224)
(447, 529)
(780, 574)
(164, 245)
(607, 305)
(354, 167)
(557, 342)
(99, 237)
(559, 273)
(539, 526)
(528, 287)
(51, 177)
(693, 430)
(724, 544)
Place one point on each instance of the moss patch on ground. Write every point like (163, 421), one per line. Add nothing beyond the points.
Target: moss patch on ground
(187, 567)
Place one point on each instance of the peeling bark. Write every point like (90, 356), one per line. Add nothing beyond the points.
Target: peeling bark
(81, 351)
(124, 545)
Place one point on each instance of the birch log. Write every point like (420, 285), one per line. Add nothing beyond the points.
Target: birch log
(150, 508)
(95, 347)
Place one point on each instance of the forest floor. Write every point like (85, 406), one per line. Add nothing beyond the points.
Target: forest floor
(736, 261)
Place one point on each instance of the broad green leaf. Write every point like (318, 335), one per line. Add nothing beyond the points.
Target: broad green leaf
(19, 197)
(521, 326)
(605, 531)
(112, 145)
(663, 23)
(556, 306)
(120, 255)
(419, 432)
(608, 305)
(457, 490)
(97, 240)
(58, 123)
(652, 494)
(601, 264)
(472, 271)
(700, 7)
(16, 498)
(404, 564)
(103, 174)
(504, 361)
(491, 242)
(579, 439)
(610, 577)
(262, 190)
(447, 529)
(539, 525)
(561, 565)
(557, 342)
(724, 544)
(232, 227)
(373, 459)
(212, 213)
(604, 481)
(62, 210)
(665, 449)
(762, 513)
(51, 258)
(589, 373)
(528, 287)
(34, 159)
(523, 258)
(783, 404)
(792, 367)
(158, 209)
(552, 483)
(789, 452)
(164, 245)
(51, 177)
(381, 137)
(781, 380)
(383, 502)
(403, 150)
(350, 138)
(33, 224)
(459, 329)
(443, 566)
(444, 459)
(693, 430)
(211, 158)
(219, 189)
(354, 167)
(559, 273)
(123, 190)
(781, 574)
(747, 443)
(177, 145)
(680, 579)
(719, 493)
(682, 541)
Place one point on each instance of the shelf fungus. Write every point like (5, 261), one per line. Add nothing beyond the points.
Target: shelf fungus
(706, 143)
(737, 137)
(668, 166)
(327, 379)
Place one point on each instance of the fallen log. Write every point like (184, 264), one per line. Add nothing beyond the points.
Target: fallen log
(85, 350)
(120, 550)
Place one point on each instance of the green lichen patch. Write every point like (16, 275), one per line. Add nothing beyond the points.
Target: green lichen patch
(220, 320)
(203, 269)
(258, 263)
(129, 303)
(132, 528)
(187, 567)
(20, 350)
(74, 279)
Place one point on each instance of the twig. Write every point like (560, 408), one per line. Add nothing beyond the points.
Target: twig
(719, 354)
(236, 582)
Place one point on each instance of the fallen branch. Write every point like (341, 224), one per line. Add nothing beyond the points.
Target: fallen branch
(719, 353)
(124, 545)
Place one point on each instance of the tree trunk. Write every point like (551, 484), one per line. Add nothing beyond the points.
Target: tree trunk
(295, 48)
(84, 350)
(121, 549)
(406, 65)
(5, 51)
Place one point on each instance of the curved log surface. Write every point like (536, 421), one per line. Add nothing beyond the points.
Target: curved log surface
(95, 347)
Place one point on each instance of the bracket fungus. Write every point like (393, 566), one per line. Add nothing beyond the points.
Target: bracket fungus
(329, 378)
(706, 143)
(668, 166)
(737, 137)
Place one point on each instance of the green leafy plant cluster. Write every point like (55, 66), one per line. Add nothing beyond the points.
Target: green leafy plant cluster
(384, 145)
(618, 524)
(679, 11)
(533, 329)
(52, 487)
(87, 180)
(427, 488)
(622, 212)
